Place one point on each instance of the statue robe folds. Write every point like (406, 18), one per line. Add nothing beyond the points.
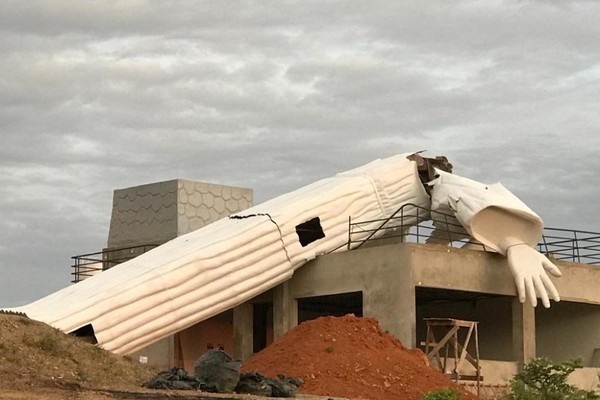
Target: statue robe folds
(203, 273)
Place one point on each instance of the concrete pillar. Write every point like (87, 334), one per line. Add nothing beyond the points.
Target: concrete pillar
(160, 354)
(243, 338)
(285, 310)
(390, 299)
(523, 331)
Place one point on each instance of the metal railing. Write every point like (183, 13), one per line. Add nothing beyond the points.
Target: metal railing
(410, 223)
(87, 265)
(571, 245)
(415, 224)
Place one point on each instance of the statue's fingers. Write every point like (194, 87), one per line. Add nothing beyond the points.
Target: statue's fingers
(551, 268)
(550, 288)
(520, 282)
(541, 291)
(530, 291)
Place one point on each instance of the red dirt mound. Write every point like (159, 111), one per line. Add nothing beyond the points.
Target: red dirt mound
(350, 357)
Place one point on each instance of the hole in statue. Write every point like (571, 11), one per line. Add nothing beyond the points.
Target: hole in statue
(310, 231)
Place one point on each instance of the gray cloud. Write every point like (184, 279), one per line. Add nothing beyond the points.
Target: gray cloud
(101, 95)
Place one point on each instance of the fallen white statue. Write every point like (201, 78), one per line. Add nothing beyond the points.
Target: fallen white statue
(198, 275)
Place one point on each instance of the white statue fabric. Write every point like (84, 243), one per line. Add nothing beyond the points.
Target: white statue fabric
(198, 275)
(500, 221)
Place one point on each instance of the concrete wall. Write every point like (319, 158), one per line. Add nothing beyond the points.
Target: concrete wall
(202, 203)
(159, 354)
(384, 278)
(568, 330)
(216, 332)
(579, 282)
(484, 272)
(144, 214)
(437, 266)
(388, 275)
(187, 346)
(495, 323)
(159, 212)
(585, 378)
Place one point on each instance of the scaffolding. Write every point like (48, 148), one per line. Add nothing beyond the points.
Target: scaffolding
(453, 347)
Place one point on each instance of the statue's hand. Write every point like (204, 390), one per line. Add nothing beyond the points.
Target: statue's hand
(530, 269)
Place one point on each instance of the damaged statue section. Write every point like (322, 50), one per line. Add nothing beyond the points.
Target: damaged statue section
(291, 229)
(218, 372)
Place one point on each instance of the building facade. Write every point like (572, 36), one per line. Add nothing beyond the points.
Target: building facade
(398, 281)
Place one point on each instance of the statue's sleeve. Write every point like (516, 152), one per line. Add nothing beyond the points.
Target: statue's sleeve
(490, 213)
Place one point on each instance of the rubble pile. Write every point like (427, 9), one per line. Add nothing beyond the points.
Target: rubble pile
(218, 372)
(350, 357)
(176, 379)
(257, 384)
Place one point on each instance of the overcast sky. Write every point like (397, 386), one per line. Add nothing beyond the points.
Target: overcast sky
(273, 95)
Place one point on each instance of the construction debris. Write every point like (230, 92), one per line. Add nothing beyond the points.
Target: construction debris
(218, 372)
(176, 379)
(259, 385)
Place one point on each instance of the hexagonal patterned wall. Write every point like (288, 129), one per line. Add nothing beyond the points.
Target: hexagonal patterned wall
(158, 212)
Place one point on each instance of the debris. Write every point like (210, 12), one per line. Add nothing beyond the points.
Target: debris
(175, 378)
(218, 370)
(259, 385)
(254, 383)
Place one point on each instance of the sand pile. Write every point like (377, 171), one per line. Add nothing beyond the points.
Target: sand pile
(349, 357)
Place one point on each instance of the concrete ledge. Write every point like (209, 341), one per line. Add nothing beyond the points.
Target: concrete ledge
(443, 267)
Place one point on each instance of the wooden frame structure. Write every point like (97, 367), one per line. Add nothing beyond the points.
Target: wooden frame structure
(450, 346)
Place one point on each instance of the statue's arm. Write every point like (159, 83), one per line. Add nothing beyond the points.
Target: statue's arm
(498, 219)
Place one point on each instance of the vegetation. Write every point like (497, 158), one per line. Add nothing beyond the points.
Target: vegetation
(51, 344)
(35, 354)
(543, 380)
(442, 394)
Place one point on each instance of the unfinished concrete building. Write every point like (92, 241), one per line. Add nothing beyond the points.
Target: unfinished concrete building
(400, 279)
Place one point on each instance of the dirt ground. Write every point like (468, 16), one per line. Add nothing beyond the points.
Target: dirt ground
(38, 362)
(66, 393)
(71, 393)
(345, 357)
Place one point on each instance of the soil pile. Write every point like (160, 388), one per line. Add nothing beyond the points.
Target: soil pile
(349, 357)
(33, 354)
